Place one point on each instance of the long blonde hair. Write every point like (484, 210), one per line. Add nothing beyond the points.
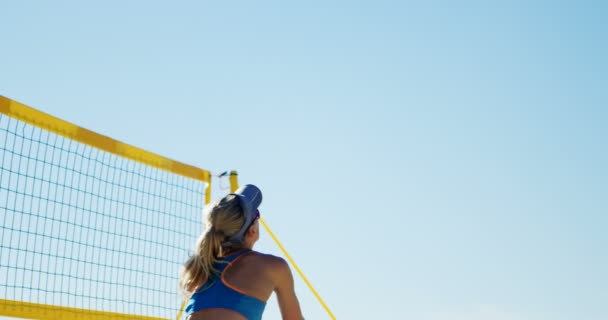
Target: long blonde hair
(223, 220)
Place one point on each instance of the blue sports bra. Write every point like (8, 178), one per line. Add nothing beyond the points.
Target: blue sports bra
(217, 293)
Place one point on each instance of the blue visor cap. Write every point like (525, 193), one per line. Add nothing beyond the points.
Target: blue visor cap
(250, 198)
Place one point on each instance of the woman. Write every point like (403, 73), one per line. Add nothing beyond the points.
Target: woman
(225, 279)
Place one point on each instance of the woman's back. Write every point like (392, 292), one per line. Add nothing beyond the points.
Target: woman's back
(252, 274)
(246, 282)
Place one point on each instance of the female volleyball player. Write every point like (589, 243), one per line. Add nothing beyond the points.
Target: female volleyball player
(224, 278)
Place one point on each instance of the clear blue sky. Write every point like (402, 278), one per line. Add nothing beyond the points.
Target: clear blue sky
(429, 160)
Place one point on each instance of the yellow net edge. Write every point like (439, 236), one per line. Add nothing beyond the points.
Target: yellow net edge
(69, 130)
(30, 310)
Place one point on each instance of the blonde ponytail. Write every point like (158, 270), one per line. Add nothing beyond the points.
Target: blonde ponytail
(223, 220)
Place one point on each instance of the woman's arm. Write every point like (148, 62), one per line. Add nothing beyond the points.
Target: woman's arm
(284, 289)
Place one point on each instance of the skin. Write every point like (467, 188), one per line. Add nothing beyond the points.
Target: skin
(259, 275)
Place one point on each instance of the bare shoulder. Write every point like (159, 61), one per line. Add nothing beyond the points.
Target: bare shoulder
(283, 285)
(272, 262)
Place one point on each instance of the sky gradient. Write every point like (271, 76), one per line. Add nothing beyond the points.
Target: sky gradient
(420, 160)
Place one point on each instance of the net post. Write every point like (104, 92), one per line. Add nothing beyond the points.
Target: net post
(208, 190)
(234, 181)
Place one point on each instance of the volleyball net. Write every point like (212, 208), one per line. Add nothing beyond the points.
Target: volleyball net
(90, 227)
(93, 228)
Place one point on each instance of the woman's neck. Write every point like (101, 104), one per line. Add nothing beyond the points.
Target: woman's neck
(228, 252)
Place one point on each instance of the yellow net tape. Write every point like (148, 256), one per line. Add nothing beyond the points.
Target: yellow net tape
(66, 129)
(50, 312)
